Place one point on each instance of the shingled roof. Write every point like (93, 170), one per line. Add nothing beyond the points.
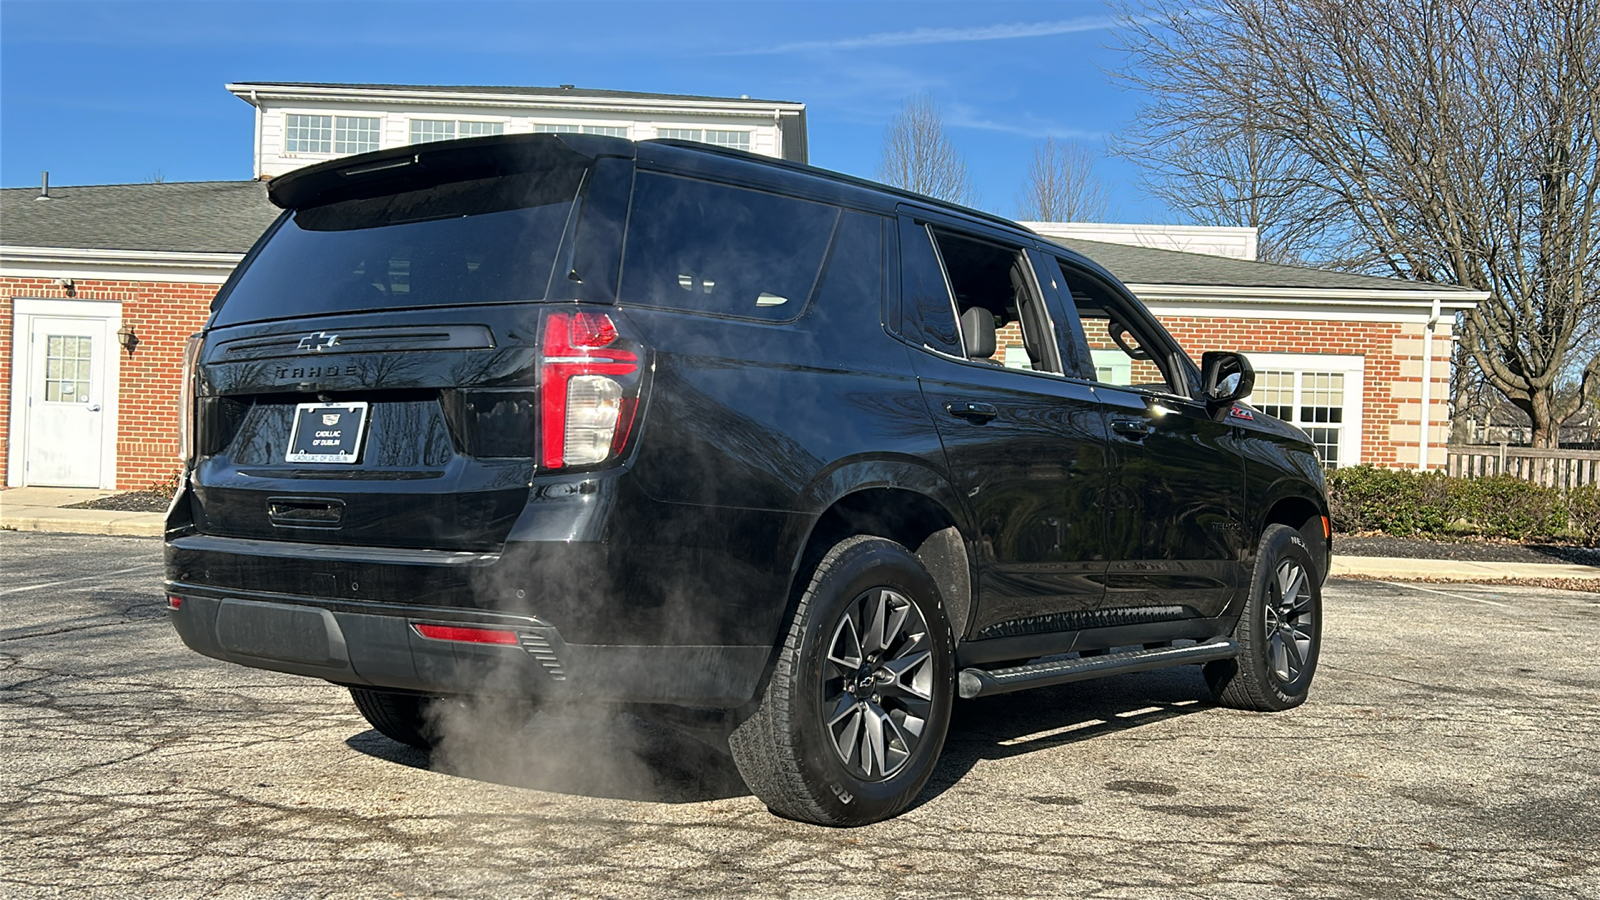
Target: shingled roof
(184, 217)
(1151, 265)
(228, 216)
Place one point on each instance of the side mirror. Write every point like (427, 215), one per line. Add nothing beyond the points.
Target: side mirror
(1225, 378)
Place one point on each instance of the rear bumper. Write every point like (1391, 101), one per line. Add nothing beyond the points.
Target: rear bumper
(375, 645)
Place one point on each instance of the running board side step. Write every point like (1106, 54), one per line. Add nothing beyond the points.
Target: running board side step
(984, 682)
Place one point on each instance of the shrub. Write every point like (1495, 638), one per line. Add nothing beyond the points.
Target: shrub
(1583, 505)
(1407, 503)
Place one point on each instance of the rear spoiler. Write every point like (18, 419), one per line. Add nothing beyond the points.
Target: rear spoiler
(425, 165)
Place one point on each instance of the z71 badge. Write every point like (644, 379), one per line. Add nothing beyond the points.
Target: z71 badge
(1239, 412)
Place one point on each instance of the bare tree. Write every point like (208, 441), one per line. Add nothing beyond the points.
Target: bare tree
(918, 155)
(1239, 179)
(1061, 185)
(1440, 141)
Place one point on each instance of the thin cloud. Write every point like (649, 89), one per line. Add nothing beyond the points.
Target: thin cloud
(921, 36)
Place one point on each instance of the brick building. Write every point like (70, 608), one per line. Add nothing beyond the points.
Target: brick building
(100, 285)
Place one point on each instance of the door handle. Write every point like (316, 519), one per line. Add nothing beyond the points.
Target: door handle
(1132, 429)
(973, 412)
(94, 407)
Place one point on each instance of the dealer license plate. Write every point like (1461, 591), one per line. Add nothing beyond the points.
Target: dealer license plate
(327, 432)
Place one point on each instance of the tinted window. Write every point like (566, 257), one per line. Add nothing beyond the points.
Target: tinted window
(929, 316)
(711, 248)
(481, 241)
(852, 287)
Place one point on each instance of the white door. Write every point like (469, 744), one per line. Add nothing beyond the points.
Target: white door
(66, 401)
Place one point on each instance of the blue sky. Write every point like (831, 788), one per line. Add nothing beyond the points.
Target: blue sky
(115, 92)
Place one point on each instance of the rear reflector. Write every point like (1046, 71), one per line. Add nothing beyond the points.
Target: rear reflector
(174, 602)
(466, 635)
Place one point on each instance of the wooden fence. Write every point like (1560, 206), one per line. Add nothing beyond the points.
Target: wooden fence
(1552, 468)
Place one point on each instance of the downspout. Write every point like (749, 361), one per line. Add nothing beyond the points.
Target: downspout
(1427, 383)
(256, 104)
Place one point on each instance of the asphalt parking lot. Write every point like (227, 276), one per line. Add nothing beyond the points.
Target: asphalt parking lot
(1450, 748)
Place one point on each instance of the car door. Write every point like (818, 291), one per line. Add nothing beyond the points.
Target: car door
(1175, 536)
(1025, 446)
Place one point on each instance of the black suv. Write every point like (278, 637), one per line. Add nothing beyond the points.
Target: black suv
(557, 416)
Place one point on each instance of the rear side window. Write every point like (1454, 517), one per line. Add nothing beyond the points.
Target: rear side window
(487, 240)
(713, 248)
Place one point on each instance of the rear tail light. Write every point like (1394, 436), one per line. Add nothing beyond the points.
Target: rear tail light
(186, 390)
(465, 634)
(589, 379)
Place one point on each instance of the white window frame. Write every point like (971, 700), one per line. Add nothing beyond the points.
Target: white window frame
(701, 133)
(1353, 368)
(600, 128)
(301, 154)
(377, 134)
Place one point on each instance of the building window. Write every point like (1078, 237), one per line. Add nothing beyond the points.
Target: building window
(426, 130)
(620, 131)
(355, 134)
(1315, 401)
(737, 140)
(66, 372)
(308, 134)
(480, 129)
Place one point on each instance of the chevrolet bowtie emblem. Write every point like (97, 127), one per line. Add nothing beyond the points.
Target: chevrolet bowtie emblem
(319, 341)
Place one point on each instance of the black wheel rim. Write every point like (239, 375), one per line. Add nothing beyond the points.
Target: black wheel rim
(1291, 622)
(877, 684)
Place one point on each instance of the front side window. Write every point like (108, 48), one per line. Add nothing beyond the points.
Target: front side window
(702, 247)
(307, 134)
(1126, 351)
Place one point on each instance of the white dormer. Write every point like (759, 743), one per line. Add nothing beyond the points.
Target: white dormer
(302, 124)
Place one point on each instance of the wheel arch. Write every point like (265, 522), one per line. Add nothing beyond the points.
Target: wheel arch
(1298, 507)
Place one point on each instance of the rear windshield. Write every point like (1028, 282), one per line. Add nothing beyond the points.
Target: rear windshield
(488, 240)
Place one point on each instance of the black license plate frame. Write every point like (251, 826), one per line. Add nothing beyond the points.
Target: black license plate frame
(316, 440)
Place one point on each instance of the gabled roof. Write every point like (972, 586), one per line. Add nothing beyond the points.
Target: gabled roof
(228, 216)
(1151, 265)
(185, 217)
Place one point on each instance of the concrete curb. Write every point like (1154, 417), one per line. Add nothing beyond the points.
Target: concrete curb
(1400, 569)
(41, 509)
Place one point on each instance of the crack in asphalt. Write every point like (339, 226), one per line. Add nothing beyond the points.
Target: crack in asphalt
(131, 766)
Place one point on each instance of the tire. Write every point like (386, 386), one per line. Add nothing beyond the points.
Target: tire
(852, 722)
(1279, 631)
(396, 716)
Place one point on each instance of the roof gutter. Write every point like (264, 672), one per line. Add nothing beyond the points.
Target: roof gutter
(117, 265)
(1433, 299)
(253, 93)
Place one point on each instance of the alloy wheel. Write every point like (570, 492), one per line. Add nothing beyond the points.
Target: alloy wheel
(877, 683)
(1291, 621)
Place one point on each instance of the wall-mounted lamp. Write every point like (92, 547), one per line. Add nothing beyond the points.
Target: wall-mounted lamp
(67, 285)
(127, 338)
